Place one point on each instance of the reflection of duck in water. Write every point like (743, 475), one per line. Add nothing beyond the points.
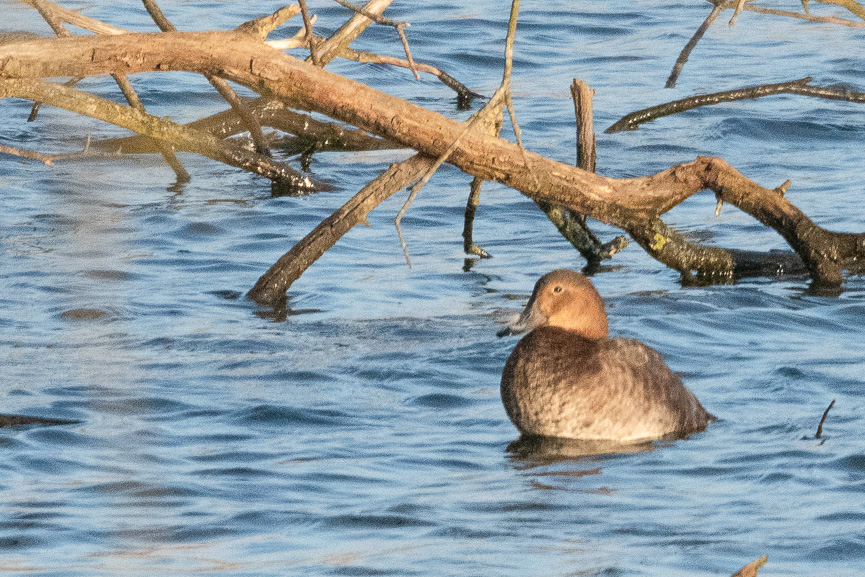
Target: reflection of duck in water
(567, 378)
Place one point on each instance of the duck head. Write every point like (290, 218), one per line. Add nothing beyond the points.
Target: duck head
(563, 299)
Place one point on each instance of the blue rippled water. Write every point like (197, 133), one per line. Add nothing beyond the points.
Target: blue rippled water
(365, 434)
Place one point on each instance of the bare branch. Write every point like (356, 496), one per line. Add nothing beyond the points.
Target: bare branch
(270, 288)
(800, 87)
(47, 159)
(378, 19)
(310, 37)
(263, 26)
(154, 127)
(48, 11)
(218, 83)
(631, 204)
(789, 14)
(692, 43)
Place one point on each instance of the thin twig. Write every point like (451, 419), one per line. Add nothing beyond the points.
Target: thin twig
(399, 26)
(310, 37)
(506, 82)
(401, 31)
(415, 188)
(823, 420)
(518, 135)
(692, 43)
(501, 95)
(462, 91)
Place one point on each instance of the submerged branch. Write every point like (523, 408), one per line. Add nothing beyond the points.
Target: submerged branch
(799, 87)
(270, 288)
(159, 128)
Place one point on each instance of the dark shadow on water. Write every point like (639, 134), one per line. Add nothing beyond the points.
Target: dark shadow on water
(280, 311)
(531, 451)
(28, 421)
(816, 289)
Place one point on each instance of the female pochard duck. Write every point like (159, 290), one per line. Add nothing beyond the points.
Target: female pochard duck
(567, 378)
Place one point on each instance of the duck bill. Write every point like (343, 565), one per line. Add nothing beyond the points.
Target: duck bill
(529, 319)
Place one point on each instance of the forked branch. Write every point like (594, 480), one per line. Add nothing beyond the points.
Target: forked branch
(632, 204)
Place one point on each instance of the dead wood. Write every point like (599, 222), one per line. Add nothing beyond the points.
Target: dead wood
(49, 13)
(692, 43)
(221, 86)
(633, 204)
(750, 570)
(801, 87)
(182, 138)
(307, 131)
(819, 433)
(270, 288)
(570, 224)
(738, 6)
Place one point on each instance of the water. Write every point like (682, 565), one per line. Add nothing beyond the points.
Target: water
(368, 437)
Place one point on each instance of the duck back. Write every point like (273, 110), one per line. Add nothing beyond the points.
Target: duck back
(561, 384)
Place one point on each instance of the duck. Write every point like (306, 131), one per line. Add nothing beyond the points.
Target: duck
(567, 378)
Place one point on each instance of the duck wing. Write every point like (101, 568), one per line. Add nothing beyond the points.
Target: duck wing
(558, 383)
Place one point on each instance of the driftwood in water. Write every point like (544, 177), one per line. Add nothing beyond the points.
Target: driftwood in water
(633, 204)
(801, 87)
(739, 5)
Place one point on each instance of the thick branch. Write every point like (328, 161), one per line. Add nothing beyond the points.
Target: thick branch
(621, 202)
(271, 287)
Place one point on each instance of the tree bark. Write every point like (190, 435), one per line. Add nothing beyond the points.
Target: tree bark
(626, 203)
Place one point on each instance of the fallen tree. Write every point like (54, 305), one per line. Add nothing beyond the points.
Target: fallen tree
(634, 204)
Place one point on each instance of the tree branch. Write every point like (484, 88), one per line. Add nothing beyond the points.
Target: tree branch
(625, 203)
(800, 87)
(155, 127)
